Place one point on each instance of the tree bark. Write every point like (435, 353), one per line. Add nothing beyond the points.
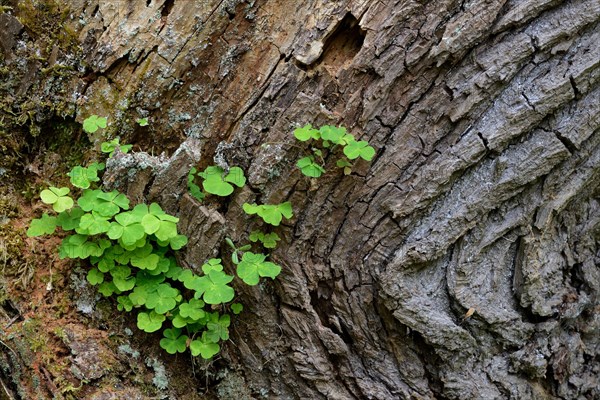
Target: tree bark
(461, 263)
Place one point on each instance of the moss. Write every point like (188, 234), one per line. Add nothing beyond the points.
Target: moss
(15, 269)
(46, 19)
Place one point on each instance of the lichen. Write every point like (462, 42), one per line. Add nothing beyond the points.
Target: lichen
(160, 380)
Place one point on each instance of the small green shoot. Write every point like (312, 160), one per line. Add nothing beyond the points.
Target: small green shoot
(330, 138)
(218, 182)
(270, 213)
(92, 123)
(268, 240)
(253, 266)
(194, 189)
(110, 147)
(142, 121)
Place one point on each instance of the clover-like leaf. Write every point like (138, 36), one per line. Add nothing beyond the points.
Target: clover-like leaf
(93, 224)
(309, 167)
(192, 309)
(253, 266)
(237, 308)
(58, 198)
(270, 213)
(89, 199)
(213, 287)
(122, 278)
(361, 149)
(150, 322)
(217, 327)
(127, 229)
(107, 289)
(93, 122)
(69, 219)
(204, 348)
(165, 298)
(332, 134)
(142, 121)
(110, 203)
(305, 133)
(109, 147)
(217, 182)
(95, 277)
(173, 342)
(236, 176)
(83, 177)
(78, 246)
(124, 303)
(269, 240)
(177, 242)
(214, 264)
(45, 225)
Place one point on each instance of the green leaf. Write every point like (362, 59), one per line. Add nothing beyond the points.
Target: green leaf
(270, 213)
(309, 167)
(306, 133)
(342, 163)
(93, 122)
(110, 203)
(95, 277)
(88, 199)
(236, 176)
(164, 300)
(69, 220)
(124, 303)
(107, 289)
(45, 225)
(237, 308)
(269, 240)
(217, 327)
(214, 264)
(93, 224)
(82, 177)
(172, 342)
(253, 266)
(192, 310)
(57, 197)
(166, 231)
(218, 183)
(332, 133)
(150, 322)
(204, 348)
(214, 287)
(149, 261)
(361, 149)
(109, 147)
(142, 121)
(177, 242)
(150, 223)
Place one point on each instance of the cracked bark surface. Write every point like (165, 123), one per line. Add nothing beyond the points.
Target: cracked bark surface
(484, 193)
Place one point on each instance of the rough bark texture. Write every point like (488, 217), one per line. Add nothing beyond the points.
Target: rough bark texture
(483, 196)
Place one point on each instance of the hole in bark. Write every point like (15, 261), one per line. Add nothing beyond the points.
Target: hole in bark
(167, 7)
(95, 12)
(320, 300)
(148, 2)
(343, 44)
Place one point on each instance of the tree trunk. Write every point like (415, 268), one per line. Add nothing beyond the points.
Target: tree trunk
(461, 263)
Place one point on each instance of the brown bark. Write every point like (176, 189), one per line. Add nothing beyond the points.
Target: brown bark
(483, 195)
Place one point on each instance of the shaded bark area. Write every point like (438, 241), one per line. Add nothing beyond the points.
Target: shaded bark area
(483, 196)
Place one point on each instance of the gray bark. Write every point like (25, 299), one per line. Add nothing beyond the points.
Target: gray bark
(482, 199)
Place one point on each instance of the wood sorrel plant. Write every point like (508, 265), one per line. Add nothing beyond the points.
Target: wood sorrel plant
(131, 252)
